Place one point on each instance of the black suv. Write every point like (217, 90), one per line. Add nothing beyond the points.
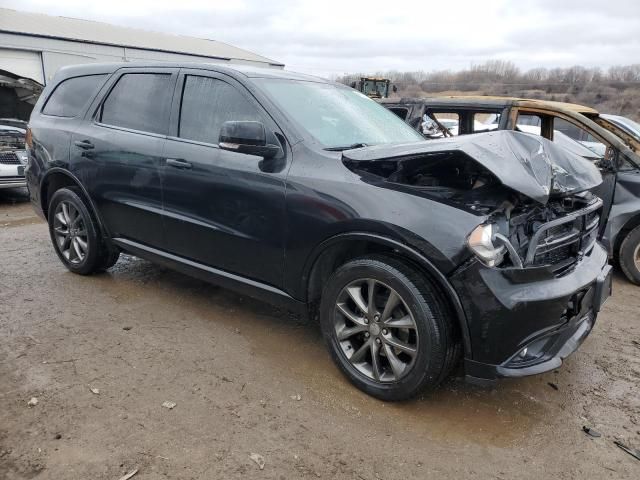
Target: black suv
(307, 193)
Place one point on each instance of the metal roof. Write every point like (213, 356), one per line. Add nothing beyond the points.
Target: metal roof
(229, 68)
(87, 31)
(492, 101)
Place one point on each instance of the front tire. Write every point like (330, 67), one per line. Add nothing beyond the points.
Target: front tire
(75, 234)
(387, 328)
(629, 256)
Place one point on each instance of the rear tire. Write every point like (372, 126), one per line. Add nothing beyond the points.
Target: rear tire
(629, 256)
(416, 346)
(76, 235)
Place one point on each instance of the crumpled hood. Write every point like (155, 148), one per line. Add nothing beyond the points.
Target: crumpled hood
(529, 164)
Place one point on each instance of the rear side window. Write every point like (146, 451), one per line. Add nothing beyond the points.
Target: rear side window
(139, 101)
(206, 104)
(71, 95)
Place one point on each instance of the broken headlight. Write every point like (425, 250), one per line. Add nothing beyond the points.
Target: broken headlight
(481, 243)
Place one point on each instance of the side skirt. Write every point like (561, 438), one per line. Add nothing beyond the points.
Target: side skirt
(242, 285)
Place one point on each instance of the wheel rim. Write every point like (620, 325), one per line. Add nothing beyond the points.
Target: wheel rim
(70, 233)
(636, 256)
(376, 330)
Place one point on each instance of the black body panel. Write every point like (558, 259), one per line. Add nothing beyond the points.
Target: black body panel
(261, 225)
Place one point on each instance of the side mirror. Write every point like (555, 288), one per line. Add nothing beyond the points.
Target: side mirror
(246, 137)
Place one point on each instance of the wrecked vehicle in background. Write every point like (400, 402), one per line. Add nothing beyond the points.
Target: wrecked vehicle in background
(308, 194)
(18, 95)
(13, 154)
(578, 128)
(625, 124)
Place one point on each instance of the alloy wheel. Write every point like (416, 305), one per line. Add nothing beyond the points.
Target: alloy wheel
(376, 330)
(70, 232)
(636, 256)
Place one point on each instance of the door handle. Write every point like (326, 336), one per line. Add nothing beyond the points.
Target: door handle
(178, 163)
(84, 144)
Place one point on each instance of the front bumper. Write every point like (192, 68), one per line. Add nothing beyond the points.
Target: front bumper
(12, 176)
(12, 182)
(526, 321)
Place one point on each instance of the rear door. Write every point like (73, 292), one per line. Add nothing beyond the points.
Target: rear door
(222, 209)
(119, 148)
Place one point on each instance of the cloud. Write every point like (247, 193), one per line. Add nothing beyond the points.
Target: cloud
(336, 36)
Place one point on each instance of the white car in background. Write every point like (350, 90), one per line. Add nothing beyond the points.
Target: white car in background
(13, 156)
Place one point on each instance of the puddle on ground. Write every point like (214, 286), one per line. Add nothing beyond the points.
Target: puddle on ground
(499, 416)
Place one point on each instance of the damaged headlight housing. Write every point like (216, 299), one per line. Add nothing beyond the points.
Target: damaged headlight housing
(481, 243)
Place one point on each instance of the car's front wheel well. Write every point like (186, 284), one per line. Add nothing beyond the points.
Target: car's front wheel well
(332, 258)
(631, 224)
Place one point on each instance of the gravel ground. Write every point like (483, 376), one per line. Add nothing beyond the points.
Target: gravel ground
(101, 355)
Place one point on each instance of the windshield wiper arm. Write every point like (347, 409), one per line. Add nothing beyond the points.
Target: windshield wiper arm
(348, 147)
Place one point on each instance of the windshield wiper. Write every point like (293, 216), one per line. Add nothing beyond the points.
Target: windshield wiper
(348, 147)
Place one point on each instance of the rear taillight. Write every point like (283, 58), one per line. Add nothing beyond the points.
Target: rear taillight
(28, 139)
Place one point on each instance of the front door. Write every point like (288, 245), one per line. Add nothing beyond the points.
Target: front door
(120, 146)
(222, 209)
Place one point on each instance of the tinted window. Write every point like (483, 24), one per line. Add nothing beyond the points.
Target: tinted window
(206, 104)
(139, 101)
(71, 95)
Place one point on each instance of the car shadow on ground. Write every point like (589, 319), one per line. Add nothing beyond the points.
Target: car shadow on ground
(12, 196)
(294, 345)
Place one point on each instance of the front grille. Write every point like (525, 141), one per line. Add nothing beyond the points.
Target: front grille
(9, 158)
(553, 256)
(559, 230)
(561, 242)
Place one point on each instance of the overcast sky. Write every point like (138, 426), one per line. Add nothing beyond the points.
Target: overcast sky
(331, 37)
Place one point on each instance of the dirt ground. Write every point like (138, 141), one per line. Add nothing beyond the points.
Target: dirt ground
(142, 335)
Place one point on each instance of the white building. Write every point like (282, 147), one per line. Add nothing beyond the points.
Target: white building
(33, 46)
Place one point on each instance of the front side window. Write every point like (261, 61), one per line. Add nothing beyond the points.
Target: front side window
(337, 116)
(209, 102)
(565, 134)
(578, 134)
(71, 95)
(139, 101)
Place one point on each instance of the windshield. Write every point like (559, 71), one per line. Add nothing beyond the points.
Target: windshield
(336, 116)
(631, 127)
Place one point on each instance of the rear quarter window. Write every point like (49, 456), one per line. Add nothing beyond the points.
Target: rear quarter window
(71, 95)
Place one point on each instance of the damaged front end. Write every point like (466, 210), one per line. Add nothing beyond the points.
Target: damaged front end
(535, 275)
(533, 195)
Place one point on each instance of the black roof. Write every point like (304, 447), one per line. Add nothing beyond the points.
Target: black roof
(228, 68)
